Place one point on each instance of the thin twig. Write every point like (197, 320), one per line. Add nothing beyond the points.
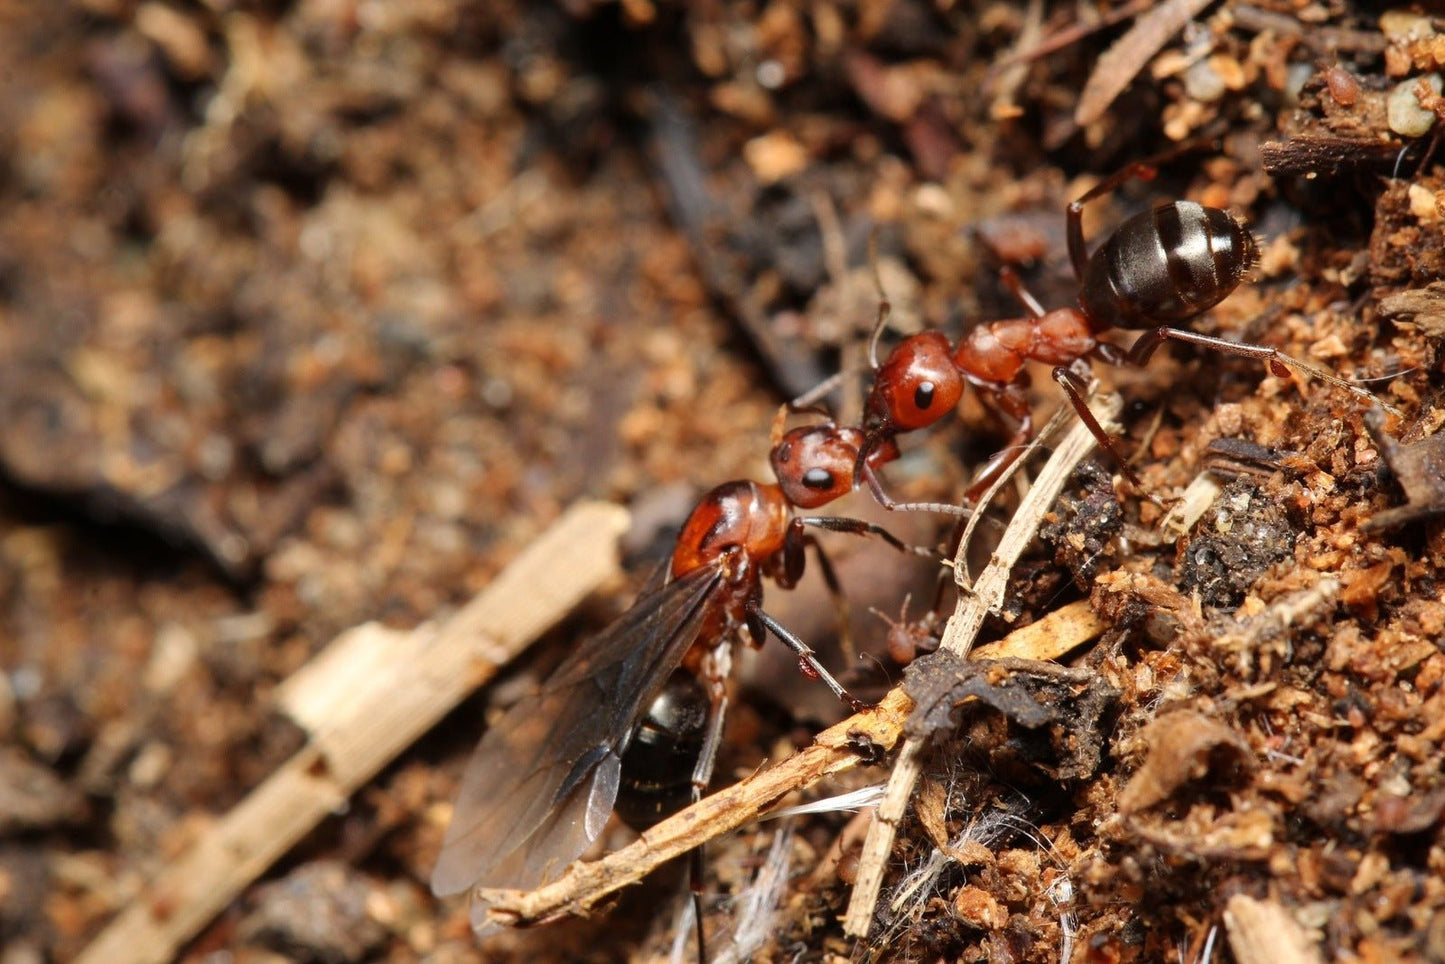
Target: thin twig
(839, 748)
(836, 749)
(958, 637)
(1321, 38)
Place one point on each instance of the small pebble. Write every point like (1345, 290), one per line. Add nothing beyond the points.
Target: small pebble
(774, 156)
(1203, 82)
(1426, 205)
(1406, 117)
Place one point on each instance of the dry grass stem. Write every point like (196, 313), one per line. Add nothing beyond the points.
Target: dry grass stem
(958, 636)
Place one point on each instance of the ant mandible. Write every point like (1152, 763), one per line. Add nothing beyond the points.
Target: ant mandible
(1158, 270)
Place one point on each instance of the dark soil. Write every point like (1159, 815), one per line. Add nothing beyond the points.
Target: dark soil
(317, 313)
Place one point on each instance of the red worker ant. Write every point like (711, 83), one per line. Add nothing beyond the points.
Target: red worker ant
(1158, 270)
(650, 689)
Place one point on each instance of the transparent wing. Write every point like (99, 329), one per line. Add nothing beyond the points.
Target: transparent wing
(540, 785)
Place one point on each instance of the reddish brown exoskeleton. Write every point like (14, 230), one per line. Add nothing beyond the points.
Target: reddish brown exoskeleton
(1158, 270)
(542, 783)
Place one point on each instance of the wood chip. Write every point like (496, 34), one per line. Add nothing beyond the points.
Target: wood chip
(1183, 746)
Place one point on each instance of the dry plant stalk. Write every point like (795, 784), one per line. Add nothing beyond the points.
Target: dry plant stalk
(958, 636)
(838, 748)
(364, 699)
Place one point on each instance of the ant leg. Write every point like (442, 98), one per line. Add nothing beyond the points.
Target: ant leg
(875, 486)
(1114, 355)
(1012, 400)
(998, 465)
(1076, 388)
(858, 527)
(795, 545)
(1009, 278)
(716, 685)
(715, 674)
(1078, 250)
(1278, 363)
(758, 621)
(695, 869)
(1015, 286)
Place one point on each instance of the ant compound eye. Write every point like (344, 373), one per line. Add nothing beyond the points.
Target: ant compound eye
(819, 479)
(923, 396)
(916, 385)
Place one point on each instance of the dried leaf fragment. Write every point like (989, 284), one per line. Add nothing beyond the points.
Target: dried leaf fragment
(1421, 307)
(1029, 693)
(1183, 747)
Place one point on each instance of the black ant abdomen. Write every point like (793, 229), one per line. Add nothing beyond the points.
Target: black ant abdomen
(1163, 267)
(658, 765)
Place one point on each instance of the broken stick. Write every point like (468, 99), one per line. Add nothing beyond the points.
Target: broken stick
(364, 699)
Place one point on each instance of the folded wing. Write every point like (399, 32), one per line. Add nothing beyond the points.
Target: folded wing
(540, 786)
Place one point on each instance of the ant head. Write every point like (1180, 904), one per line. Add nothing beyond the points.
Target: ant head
(914, 387)
(814, 464)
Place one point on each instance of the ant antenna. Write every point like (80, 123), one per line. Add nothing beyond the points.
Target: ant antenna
(885, 307)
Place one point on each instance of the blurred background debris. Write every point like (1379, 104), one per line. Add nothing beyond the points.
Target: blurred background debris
(318, 313)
